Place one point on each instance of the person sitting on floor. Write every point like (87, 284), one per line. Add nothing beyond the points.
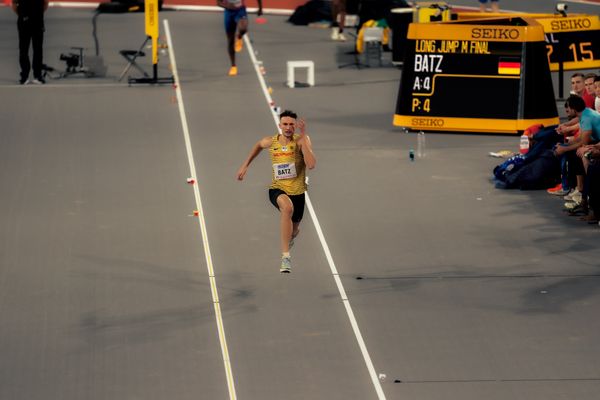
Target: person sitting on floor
(592, 183)
(570, 131)
(589, 122)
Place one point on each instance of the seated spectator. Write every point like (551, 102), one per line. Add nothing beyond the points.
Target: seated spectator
(577, 84)
(597, 91)
(589, 123)
(570, 130)
(593, 183)
(589, 94)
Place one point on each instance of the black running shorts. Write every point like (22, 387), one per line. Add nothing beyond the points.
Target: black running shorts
(297, 201)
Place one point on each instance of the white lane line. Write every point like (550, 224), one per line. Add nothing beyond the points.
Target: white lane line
(175, 7)
(588, 2)
(62, 86)
(201, 221)
(261, 80)
(334, 272)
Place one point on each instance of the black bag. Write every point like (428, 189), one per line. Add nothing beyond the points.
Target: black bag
(313, 11)
(541, 173)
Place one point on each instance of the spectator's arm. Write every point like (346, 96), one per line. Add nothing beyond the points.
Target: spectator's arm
(46, 4)
(595, 151)
(14, 6)
(575, 144)
(567, 125)
(586, 137)
(571, 130)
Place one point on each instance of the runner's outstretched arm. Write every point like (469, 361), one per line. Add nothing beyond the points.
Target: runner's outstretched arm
(256, 149)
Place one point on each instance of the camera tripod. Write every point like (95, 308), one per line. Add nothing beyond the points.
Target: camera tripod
(75, 63)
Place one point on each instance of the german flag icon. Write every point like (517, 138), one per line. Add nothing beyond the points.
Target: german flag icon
(509, 67)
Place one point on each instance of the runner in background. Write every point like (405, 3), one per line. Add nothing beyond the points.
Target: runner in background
(494, 5)
(236, 26)
(338, 8)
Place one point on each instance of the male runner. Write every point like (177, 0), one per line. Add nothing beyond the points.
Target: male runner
(494, 4)
(290, 155)
(236, 26)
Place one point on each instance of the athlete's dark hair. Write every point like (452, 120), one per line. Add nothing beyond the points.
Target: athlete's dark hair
(576, 103)
(288, 113)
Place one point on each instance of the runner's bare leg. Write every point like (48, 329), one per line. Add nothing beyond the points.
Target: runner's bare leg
(286, 208)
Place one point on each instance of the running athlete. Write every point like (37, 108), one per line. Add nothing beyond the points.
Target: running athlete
(494, 4)
(290, 155)
(338, 8)
(236, 26)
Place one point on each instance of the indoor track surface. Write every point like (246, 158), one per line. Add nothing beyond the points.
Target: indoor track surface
(411, 280)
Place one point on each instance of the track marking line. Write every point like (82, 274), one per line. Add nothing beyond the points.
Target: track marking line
(588, 2)
(334, 272)
(201, 221)
(62, 86)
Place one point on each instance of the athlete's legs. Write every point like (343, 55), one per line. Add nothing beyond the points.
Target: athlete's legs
(230, 49)
(338, 8)
(495, 6)
(230, 28)
(482, 5)
(242, 27)
(286, 208)
(342, 14)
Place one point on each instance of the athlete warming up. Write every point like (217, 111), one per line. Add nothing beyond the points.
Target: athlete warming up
(291, 154)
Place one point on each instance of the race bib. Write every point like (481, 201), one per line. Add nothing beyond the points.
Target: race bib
(284, 171)
(235, 3)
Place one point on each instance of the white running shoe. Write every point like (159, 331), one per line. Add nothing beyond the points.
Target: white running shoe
(573, 195)
(571, 205)
(335, 33)
(286, 265)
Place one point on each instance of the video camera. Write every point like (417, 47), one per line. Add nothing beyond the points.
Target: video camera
(561, 8)
(72, 60)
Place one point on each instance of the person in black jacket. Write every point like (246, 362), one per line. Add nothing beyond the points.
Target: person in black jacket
(30, 23)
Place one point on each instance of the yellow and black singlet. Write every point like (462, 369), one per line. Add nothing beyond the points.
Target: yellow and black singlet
(288, 170)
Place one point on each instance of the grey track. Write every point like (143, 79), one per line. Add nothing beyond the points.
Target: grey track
(462, 291)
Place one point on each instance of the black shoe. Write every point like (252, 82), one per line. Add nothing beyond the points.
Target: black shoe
(578, 210)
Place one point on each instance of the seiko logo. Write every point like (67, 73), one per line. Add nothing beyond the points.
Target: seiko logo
(495, 33)
(435, 122)
(569, 24)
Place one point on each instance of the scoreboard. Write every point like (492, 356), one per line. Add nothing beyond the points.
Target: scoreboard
(576, 37)
(476, 76)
